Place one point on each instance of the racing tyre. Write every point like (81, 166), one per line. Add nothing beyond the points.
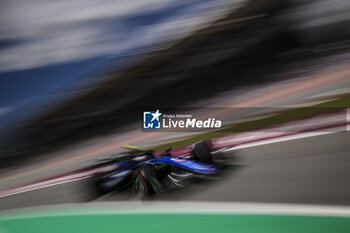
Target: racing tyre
(145, 181)
(202, 151)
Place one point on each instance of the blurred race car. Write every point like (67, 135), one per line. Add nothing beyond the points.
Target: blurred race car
(145, 174)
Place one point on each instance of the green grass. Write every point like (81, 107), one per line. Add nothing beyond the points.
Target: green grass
(175, 223)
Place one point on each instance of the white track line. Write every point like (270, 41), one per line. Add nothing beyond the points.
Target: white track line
(276, 140)
(49, 183)
(167, 207)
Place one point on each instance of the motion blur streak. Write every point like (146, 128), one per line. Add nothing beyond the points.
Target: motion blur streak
(76, 77)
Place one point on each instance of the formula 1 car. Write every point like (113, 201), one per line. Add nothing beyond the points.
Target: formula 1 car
(145, 174)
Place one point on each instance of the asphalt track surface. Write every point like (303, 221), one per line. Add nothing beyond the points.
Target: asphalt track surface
(312, 170)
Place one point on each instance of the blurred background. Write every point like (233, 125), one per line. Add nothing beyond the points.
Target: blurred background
(76, 75)
(72, 70)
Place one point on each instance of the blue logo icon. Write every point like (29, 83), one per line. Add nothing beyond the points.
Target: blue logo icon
(152, 120)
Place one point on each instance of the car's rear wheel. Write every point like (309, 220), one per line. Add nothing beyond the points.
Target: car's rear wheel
(145, 181)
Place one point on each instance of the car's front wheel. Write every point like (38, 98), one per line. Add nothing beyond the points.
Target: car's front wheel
(202, 151)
